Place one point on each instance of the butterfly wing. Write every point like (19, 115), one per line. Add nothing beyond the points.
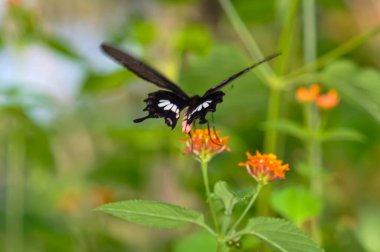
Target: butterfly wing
(164, 104)
(142, 70)
(238, 74)
(200, 108)
(213, 96)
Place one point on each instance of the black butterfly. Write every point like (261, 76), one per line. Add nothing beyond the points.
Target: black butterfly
(170, 102)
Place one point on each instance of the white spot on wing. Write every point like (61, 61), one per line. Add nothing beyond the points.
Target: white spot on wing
(163, 103)
(205, 104)
(169, 106)
(174, 108)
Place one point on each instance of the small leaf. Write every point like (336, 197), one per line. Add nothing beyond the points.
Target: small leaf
(59, 46)
(355, 84)
(296, 203)
(342, 134)
(289, 127)
(229, 197)
(224, 192)
(100, 82)
(281, 235)
(201, 241)
(154, 214)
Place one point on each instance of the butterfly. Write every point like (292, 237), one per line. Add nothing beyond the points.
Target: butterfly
(169, 103)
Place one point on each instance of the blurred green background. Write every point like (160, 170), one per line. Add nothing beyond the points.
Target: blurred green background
(68, 143)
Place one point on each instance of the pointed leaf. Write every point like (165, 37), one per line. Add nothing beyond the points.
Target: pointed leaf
(229, 197)
(355, 84)
(95, 82)
(289, 127)
(200, 241)
(281, 235)
(342, 134)
(154, 214)
(225, 193)
(296, 203)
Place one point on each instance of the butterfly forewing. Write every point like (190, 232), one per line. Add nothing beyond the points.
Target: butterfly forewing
(238, 74)
(142, 70)
(169, 104)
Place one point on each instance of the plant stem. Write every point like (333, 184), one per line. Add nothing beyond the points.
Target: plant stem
(287, 36)
(222, 247)
(208, 194)
(226, 220)
(270, 141)
(335, 53)
(314, 152)
(313, 117)
(14, 193)
(265, 71)
(309, 32)
(247, 208)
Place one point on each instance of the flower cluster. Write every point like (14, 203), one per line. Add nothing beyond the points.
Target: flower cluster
(309, 95)
(264, 167)
(205, 143)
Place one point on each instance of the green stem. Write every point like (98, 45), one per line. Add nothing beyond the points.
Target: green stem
(314, 150)
(222, 247)
(287, 36)
(249, 42)
(334, 54)
(14, 193)
(248, 207)
(309, 31)
(313, 120)
(270, 140)
(226, 220)
(316, 182)
(208, 194)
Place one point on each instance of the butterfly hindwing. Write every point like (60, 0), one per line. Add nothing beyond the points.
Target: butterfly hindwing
(205, 104)
(164, 104)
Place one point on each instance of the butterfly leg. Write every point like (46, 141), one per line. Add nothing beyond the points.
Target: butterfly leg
(213, 127)
(191, 140)
(209, 133)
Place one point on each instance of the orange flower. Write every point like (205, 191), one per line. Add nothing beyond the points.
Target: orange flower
(305, 95)
(265, 167)
(205, 143)
(329, 100)
(14, 2)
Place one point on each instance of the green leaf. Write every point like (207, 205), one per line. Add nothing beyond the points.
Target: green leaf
(100, 82)
(200, 241)
(288, 127)
(145, 32)
(62, 47)
(229, 197)
(194, 38)
(153, 214)
(280, 234)
(225, 193)
(342, 134)
(367, 230)
(355, 84)
(296, 203)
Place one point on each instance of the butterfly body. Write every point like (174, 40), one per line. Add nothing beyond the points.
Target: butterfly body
(169, 103)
